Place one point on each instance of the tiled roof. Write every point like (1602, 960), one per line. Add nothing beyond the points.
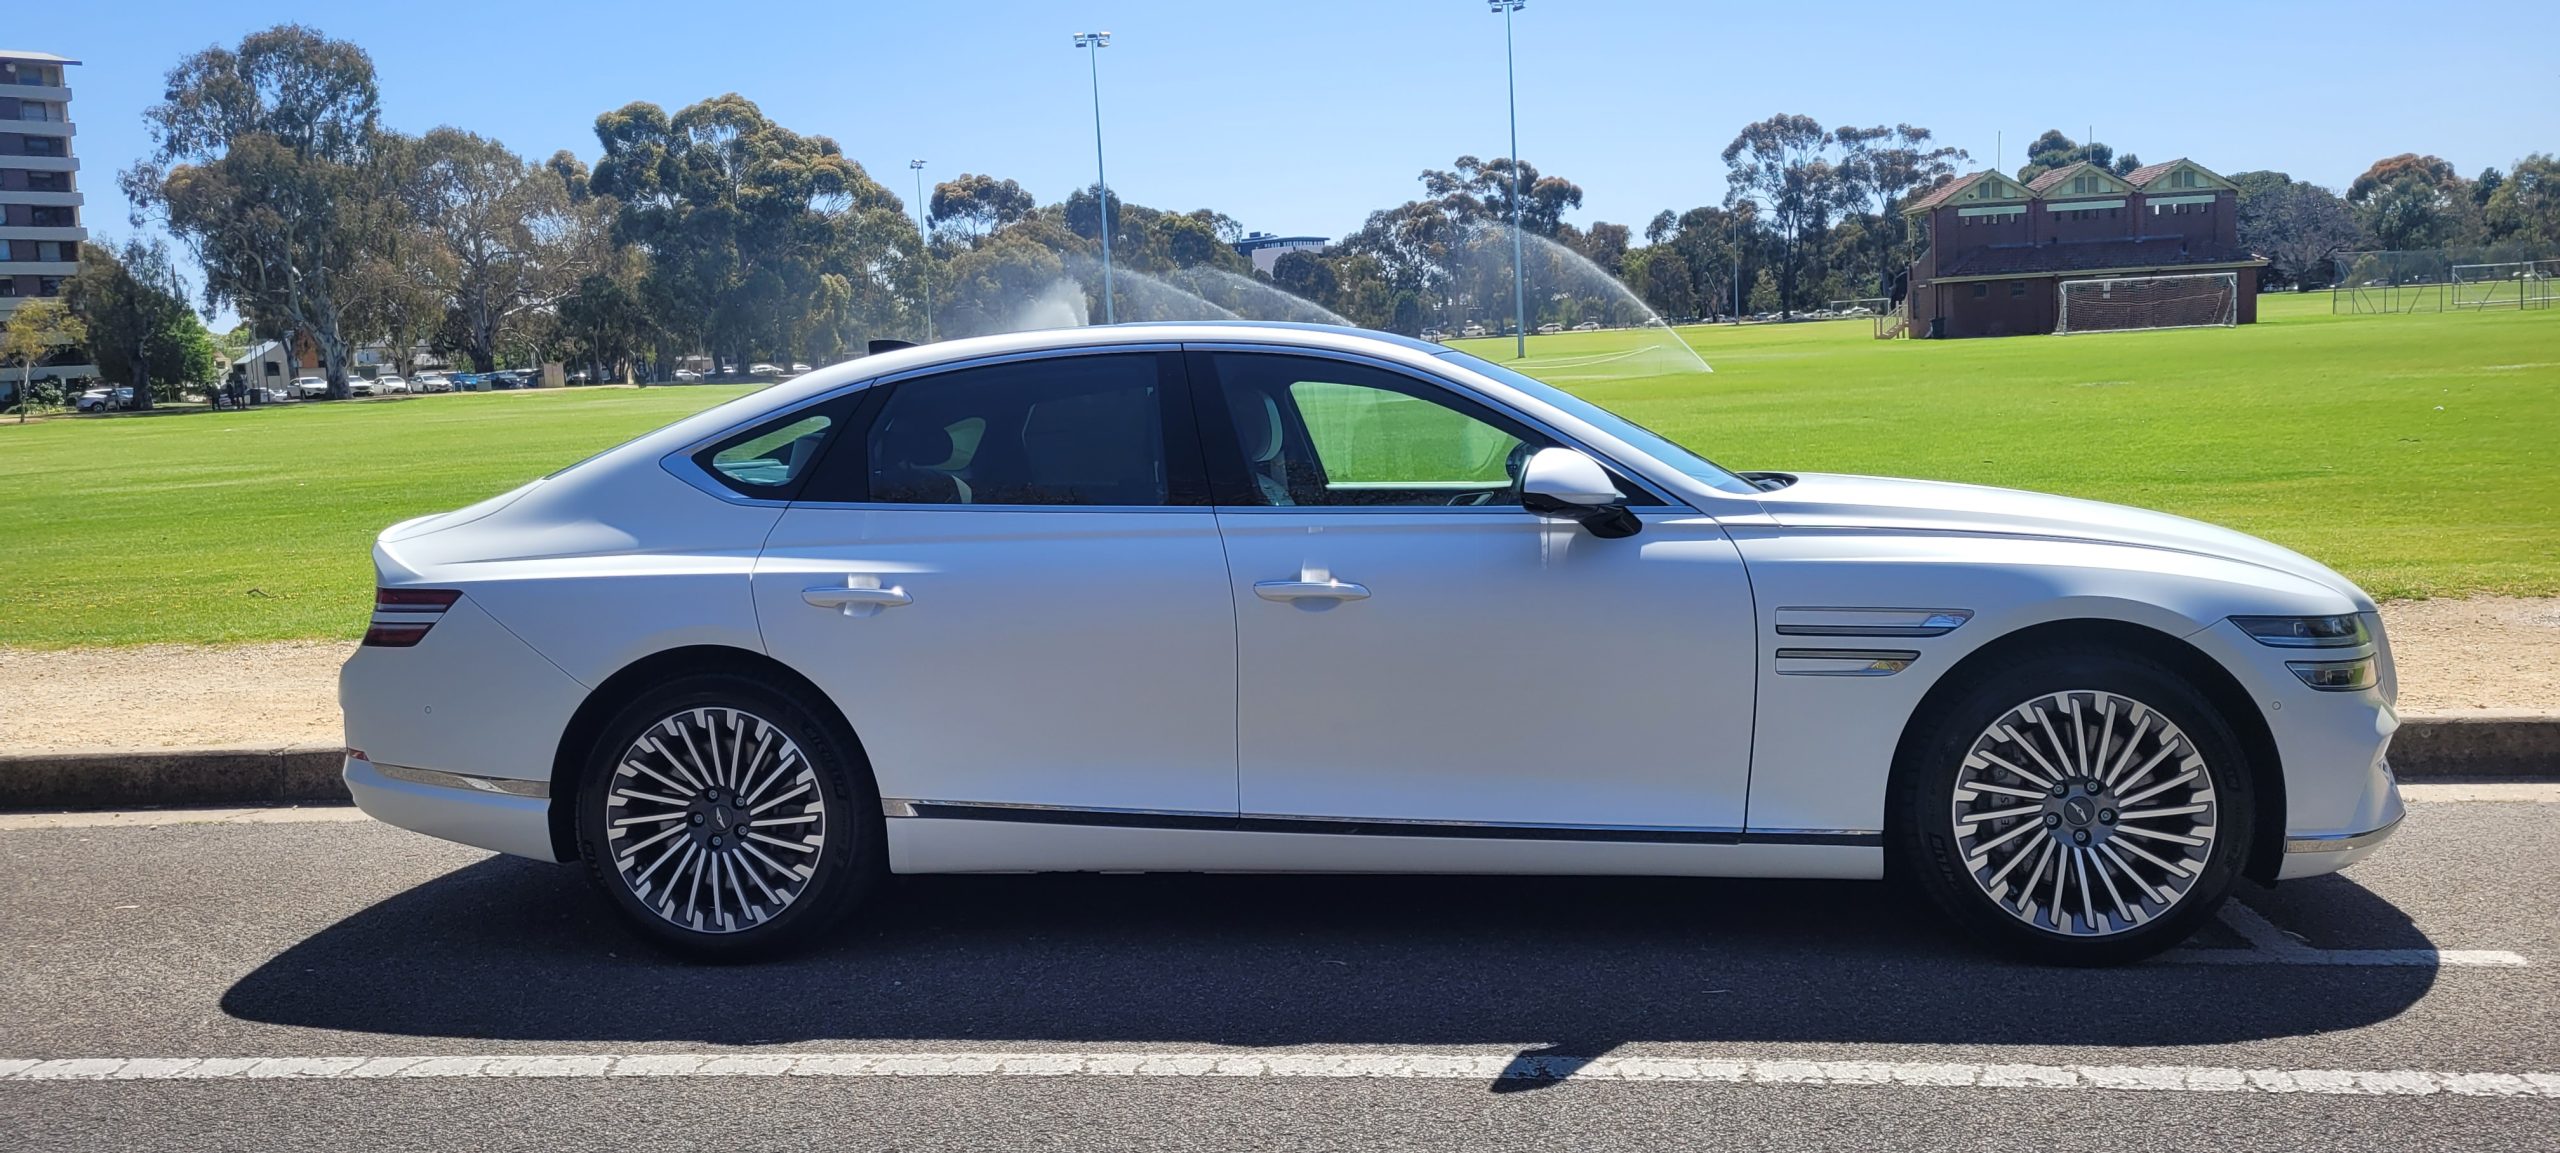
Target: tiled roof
(2055, 176)
(1939, 195)
(2150, 172)
(2035, 259)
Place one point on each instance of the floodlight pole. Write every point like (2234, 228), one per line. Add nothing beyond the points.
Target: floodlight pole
(1519, 275)
(1097, 41)
(924, 234)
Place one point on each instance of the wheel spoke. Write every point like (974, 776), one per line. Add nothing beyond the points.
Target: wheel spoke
(2160, 788)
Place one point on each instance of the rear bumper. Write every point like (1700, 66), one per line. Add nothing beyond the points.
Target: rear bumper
(506, 816)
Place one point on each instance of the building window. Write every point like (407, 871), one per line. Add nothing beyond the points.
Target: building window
(8, 286)
(6, 251)
(44, 217)
(42, 145)
(1981, 290)
(2017, 288)
(48, 182)
(48, 286)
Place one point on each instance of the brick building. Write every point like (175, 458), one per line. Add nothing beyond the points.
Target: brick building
(1999, 251)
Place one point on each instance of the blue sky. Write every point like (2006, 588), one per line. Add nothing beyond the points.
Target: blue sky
(1300, 117)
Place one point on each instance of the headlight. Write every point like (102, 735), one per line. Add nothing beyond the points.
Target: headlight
(2335, 676)
(2345, 631)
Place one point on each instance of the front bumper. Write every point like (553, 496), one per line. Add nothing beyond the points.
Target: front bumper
(2312, 854)
(506, 816)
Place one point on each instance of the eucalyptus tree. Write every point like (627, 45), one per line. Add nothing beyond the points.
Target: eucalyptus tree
(510, 237)
(133, 307)
(262, 163)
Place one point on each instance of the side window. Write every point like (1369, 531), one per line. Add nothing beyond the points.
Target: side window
(772, 458)
(1322, 432)
(1073, 430)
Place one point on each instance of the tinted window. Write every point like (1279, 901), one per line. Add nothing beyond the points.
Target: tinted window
(1077, 430)
(1324, 432)
(768, 460)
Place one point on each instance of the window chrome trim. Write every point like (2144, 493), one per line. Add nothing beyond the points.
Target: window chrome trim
(1827, 621)
(1432, 377)
(1194, 820)
(683, 467)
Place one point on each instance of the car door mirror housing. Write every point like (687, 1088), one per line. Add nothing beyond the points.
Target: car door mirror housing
(1568, 485)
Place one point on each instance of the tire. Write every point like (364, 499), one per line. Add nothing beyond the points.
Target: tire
(667, 766)
(2134, 853)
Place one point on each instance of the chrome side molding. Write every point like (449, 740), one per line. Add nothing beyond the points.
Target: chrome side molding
(1869, 622)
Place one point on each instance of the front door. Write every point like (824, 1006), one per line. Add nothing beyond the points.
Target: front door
(1414, 646)
(1010, 580)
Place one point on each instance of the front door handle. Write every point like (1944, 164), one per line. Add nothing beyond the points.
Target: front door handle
(856, 600)
(1307, 590)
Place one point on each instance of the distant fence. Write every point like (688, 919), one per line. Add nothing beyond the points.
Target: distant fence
(2493, 276)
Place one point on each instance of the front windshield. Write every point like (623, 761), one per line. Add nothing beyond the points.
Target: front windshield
(1660, 447)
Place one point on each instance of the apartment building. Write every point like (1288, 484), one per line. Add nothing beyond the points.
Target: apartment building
(40, 230)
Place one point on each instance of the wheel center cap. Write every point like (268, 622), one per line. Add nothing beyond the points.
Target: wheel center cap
(2080, 811)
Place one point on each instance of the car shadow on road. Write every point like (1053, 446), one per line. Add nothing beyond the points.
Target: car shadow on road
(509, 950)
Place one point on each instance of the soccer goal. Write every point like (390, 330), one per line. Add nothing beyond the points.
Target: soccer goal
(2193, 300)
(2509, 284)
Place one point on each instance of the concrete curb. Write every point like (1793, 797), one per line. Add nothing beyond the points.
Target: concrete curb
(2490, 743)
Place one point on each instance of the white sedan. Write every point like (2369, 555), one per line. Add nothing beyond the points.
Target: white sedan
(1281, 598)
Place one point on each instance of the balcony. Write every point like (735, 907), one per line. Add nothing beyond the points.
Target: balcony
(37, 91)
(40, 163)
(43, 232)
(41, 199)
(39, 267)
(38, 127)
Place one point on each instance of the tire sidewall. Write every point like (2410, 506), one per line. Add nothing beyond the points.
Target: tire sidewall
(849, 864)
(1924, 838)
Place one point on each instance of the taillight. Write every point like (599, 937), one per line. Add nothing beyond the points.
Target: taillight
(401, 617)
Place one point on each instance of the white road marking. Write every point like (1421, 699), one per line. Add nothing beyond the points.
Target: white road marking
(148, 818)
(2446, 792)
(2269, 945)
(1392, 1066)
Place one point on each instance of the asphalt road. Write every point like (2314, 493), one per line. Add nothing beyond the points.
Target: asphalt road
(1712, 1015)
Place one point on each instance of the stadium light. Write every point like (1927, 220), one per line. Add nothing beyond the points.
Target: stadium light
(1097, 41)
(1519, 277)
(924, 233)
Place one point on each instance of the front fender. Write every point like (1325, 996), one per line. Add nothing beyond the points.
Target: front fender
(1823, 745)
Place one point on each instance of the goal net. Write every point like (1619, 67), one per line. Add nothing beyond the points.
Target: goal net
(2193, 300)
(2509, 284)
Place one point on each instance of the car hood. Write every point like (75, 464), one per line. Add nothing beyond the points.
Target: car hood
(1822, 500)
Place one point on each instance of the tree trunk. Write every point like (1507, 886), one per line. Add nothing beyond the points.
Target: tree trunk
(141, 382)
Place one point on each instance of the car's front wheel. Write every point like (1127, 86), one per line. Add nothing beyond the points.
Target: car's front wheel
(2075, 808)
(727, 819)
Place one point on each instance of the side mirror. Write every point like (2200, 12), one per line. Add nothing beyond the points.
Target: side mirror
(1567, 485)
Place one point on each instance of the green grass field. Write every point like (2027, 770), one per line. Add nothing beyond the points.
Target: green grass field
(2420, 455)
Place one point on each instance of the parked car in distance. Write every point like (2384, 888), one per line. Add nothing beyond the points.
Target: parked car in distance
(1550, 328)
(391, 384)
(2071, 726)
(1587, 326)
(796, 366)
(760, 368)
(101, 399)
(359, 386)
(1472, 330)
(311, 387)
(688, 376)
(432, 382)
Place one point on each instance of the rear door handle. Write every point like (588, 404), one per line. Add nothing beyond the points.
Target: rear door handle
(856, 600)
(1307, 590)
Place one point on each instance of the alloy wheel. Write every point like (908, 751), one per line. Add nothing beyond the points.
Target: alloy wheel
(715, 820)
(2084, 813)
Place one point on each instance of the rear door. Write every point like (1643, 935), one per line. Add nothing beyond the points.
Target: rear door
(1009, 578)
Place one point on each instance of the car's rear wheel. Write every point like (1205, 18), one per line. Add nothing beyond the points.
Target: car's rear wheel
(2075, 808)
(729, 820)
